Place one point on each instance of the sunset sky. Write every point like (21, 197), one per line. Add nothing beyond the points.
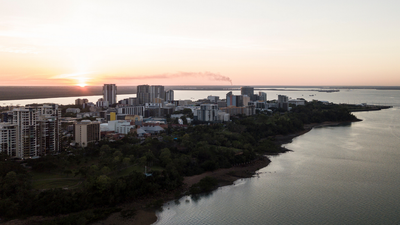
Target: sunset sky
(188, 42)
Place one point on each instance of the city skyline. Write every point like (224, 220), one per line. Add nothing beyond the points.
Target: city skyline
(90, 43)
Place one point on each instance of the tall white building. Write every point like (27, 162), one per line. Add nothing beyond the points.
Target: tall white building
(34, 131)
(48, 129)
(8, 139)
(110, 93)
(25, 119)
(208, 112)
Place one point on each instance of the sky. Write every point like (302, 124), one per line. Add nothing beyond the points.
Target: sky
(192, 42)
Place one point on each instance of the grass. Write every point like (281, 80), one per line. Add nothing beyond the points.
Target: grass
(48, 180)
(55, 183)
(135, 168)
(40, 176)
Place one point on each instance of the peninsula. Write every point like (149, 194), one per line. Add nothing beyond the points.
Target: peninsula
(108, 178)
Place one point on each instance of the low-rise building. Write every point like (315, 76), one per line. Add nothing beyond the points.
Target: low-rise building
(73, 110)
(297, 102)
(86, 132)
(245, 110)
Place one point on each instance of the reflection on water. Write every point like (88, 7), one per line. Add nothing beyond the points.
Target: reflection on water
(335, 175)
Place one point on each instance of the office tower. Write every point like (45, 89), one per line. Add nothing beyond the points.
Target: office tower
(230, 99)
(143, 94)
(156, 91)
(8, 139)
(263, 96)
(169, 95)
(246, 90)
(283, 102)
(150, 94)
(249, 91)
(110, 93)
(235, 100)
(86, 132)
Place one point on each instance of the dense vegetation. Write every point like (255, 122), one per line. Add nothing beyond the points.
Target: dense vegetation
(113, 172)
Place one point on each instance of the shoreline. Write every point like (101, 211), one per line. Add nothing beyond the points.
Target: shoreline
(226, 176)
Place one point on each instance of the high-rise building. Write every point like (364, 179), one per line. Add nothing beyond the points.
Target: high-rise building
(156, 91)
(86, 132)
(249, 91)
(110, 93)
(262, 96)
(235, 100)
(283, 102)
(8, 139)
(48, 129)
(208, 113)
(169, 95)
(246, 90)
(143, 94)
(25, 119)
(36, 129)
(80, 102)
(150, 94)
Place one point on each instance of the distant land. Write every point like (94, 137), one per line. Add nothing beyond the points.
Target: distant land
(33, 92)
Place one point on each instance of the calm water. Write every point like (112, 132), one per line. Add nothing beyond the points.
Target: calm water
(355, 96)
(336, 175)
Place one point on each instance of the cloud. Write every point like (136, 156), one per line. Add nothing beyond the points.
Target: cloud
(23, 50)
(209, 75)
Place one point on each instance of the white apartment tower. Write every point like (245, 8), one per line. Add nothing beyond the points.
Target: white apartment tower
(208, 112)
(110, 93)
(8, 139)
(34, 131)
(25, 119)
(48, 129)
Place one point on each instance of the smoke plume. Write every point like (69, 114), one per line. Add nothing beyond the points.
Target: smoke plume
(209, 75)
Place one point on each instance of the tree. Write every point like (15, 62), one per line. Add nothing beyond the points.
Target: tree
(165, 156)
(103, 182)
